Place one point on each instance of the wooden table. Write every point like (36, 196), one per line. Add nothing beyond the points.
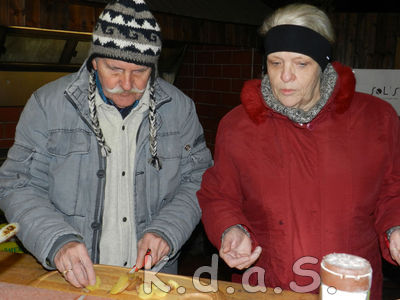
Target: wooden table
(23, 269)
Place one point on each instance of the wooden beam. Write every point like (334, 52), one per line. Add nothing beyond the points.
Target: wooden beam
(68, 51)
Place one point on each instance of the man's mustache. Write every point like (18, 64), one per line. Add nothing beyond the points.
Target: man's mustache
(120, 90)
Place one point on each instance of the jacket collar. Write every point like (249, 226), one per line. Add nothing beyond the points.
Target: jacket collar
(339, 101)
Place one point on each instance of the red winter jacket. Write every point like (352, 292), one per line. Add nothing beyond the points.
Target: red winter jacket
(332, 185)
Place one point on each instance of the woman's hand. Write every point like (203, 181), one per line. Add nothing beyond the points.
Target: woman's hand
(236, 249)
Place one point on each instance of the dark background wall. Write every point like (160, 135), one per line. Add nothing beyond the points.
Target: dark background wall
(219, 56)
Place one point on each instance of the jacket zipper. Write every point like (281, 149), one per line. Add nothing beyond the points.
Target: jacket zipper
(138, 149)
(98, 212)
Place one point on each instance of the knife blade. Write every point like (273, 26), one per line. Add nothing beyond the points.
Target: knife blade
(158, 266)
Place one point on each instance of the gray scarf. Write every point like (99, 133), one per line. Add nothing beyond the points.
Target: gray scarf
(328, 81)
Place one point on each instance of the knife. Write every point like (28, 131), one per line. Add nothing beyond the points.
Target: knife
(125, 279)
(158, 266)
(146, 257)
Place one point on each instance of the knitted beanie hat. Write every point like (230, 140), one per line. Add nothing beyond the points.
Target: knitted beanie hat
(126, 30)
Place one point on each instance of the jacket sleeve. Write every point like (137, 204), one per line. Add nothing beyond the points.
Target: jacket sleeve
(24, 187)
(177, 219)
(388, 206)
(220, 197)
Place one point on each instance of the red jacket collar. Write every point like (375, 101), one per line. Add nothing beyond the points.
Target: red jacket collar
(257, 110)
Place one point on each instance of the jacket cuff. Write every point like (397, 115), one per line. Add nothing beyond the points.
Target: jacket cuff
(246, 230)
(242, 227)
(58, 244)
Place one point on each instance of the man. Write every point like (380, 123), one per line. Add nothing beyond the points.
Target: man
(107, 161)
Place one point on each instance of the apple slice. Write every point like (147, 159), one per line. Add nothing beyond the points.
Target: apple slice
(173, 284)
(91, 288)
(135, 280)
(121, 285)
(156, 293)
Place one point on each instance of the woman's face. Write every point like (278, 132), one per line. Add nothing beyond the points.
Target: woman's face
(295, 79)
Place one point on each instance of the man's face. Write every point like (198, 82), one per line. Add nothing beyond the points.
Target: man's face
(122, 82)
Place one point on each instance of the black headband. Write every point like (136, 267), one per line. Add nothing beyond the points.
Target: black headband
(299, 39)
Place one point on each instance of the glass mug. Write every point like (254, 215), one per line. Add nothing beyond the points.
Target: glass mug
(345, 277)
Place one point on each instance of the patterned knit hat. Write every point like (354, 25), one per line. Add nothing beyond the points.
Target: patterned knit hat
(126, 30)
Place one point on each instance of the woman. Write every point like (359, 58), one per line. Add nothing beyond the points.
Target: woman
(305, 166)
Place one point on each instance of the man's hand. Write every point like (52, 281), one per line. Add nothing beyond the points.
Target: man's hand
(394, 245)
(158, 246)
(236, 249)
(73, 261)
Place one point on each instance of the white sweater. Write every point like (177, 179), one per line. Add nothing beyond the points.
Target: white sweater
(118, 243)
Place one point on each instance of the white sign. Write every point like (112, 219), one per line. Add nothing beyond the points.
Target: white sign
(382, 83)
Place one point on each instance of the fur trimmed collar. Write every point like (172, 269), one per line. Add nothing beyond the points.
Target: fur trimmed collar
(343, 92)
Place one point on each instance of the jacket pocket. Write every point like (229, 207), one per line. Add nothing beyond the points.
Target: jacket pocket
(170, 153)
(169, 145)
(69, 170)
(15, 170)
(63, 142)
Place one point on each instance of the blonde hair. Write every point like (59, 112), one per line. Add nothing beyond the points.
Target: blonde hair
(302, 15)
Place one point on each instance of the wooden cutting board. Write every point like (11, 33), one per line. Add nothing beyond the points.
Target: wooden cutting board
(109, 276)
(10, 291)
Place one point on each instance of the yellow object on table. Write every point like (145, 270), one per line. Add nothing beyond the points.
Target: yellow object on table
(11, 245)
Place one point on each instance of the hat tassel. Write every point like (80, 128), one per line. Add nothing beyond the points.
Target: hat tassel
(155, 162)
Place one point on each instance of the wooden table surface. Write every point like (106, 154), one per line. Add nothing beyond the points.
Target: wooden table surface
(23, 269)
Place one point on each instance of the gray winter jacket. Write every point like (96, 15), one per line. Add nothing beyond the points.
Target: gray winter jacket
(53, 180)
